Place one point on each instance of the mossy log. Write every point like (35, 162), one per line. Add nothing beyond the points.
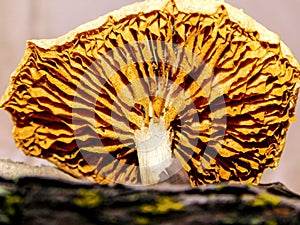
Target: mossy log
(41, 199)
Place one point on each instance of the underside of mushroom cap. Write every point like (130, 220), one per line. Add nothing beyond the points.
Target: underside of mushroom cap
(223, 87)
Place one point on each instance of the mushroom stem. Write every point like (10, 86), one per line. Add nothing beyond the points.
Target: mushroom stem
(154, 151)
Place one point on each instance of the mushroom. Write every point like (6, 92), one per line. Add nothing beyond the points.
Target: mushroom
(136, 95)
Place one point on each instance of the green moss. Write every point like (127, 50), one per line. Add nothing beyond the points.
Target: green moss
(220, 186)
(256, 221)
(4, 219)
(271, 222)
(87, 198)
(141, 220)
(3, 191)
(163, 205)
(11, 204)
(265, 199)
(262, 220)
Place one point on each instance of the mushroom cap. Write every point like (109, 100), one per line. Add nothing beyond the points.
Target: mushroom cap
(223, 87)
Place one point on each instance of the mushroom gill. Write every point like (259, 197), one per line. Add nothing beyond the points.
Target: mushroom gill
(121, 98)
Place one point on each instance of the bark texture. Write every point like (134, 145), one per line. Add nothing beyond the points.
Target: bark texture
(49, 199)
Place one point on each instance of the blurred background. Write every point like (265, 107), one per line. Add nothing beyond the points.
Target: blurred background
(21, 20)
